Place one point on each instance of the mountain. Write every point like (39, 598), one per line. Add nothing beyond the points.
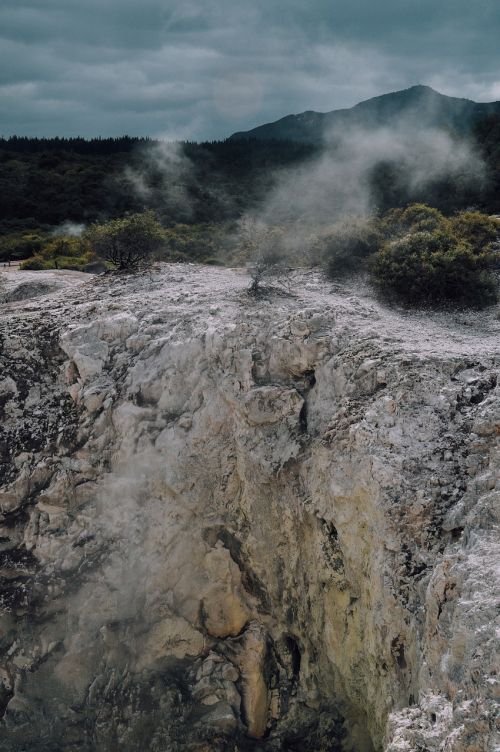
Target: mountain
(419, 103)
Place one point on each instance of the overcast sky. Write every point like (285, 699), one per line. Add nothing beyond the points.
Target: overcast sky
(201, 69)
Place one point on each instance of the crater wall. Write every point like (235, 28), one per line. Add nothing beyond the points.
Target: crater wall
(231, 524)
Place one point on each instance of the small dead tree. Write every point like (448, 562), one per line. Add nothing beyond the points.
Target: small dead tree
(262, 246)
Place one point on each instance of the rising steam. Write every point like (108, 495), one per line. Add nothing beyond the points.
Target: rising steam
(340, 181)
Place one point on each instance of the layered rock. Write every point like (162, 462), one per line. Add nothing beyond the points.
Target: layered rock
(240, 524)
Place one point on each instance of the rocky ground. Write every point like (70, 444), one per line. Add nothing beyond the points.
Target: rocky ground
(17, 285)
(245, 524)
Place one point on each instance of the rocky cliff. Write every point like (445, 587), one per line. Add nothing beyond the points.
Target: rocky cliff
(236, 524)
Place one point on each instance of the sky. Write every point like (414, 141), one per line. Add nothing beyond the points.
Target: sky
(202, 69)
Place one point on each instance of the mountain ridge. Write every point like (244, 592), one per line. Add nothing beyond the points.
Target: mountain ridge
(432, 109)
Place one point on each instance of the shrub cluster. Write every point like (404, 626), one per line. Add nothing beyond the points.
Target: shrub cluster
(414, 254)
(15, 246)
(129, 242)
(61, 252)
(419, 256)
(432, 267)
(348, 245)
(208, 243)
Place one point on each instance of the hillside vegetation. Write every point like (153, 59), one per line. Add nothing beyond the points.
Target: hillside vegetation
(430, 238)
(47, 182)
(417, 255)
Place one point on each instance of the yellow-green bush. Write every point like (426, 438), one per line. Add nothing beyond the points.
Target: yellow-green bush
(60, 253)
(198, 242)
(36, 263)
(476, 228)
(418, 255)
(413, 218)
(129, 242)
(20, 245)
(348, 245)
(434, 268)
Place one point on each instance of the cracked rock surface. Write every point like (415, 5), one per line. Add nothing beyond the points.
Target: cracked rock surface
(246, 524)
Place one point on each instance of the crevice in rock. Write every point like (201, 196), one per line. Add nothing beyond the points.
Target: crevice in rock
(249, 579)
(303, 385)
(398, 651)
(72, 373)
(303, 418)
(295, 654)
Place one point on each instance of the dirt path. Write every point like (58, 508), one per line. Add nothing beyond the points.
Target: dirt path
(12, 267)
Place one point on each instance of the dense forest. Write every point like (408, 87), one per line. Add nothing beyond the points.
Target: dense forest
(50, 181)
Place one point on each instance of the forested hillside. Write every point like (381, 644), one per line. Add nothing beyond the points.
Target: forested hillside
(45, 183)
(50, 181)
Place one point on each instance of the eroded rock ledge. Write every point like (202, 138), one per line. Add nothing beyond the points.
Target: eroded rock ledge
(246, 525)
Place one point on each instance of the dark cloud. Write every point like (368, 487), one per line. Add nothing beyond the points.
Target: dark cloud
(204, 68)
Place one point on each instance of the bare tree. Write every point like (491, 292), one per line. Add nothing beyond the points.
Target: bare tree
(262, 247)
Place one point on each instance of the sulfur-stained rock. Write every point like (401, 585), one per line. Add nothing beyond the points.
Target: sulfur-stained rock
(170, 637)
(252, 665)
(225, 612)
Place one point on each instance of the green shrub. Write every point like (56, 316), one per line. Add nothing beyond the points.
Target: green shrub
(36, 263)
(197, 242)
(348, 245)
(129, 242)
(40, 263)
(425, 267)
(418, 255)
(476, 228)
(413, 218)
(62, 247)
(20, 245)
(71, 262)
(422, 218)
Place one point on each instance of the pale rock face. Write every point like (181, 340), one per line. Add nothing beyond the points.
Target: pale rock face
(230, 524)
